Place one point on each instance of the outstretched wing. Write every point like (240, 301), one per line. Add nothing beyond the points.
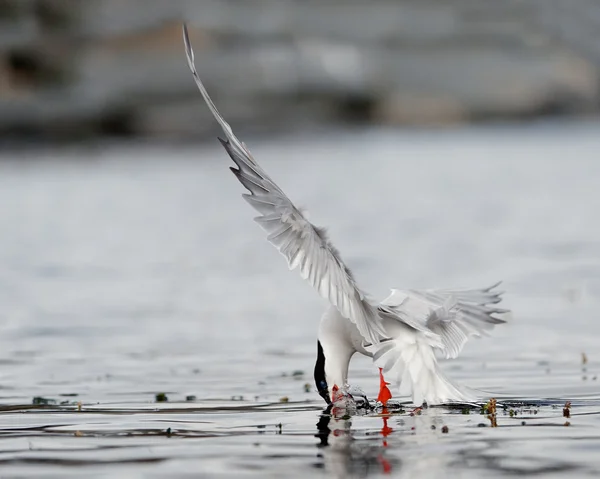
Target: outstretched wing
(304, 246)
(453, 315)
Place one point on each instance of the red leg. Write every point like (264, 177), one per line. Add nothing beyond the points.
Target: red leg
(384, 392)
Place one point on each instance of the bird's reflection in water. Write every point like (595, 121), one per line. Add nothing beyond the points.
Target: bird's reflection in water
(346, 456)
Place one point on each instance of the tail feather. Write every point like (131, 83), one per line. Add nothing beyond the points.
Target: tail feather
(412, 363)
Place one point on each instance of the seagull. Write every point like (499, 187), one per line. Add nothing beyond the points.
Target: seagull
(402, 334)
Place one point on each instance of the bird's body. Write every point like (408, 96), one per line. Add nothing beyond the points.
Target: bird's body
(400, 333)
(416, 323)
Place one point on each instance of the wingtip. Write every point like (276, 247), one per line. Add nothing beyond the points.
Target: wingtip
(494, 286)
(231, 138)
(186, 36)
(189, 51)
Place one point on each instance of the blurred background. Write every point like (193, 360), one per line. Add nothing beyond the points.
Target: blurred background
(73, 70)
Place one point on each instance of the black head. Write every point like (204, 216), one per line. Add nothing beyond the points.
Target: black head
(320, 380)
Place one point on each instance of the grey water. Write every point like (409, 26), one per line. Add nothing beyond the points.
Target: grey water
(131, 270)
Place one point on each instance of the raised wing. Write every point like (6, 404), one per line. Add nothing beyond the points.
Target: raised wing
(304, 246)
(453, 315)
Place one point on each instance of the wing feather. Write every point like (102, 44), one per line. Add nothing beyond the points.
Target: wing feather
(304, 246)
(453, 315)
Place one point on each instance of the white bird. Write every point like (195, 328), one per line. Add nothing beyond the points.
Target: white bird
(401, 334)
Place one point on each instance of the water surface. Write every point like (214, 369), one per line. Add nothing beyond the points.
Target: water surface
(132, 270)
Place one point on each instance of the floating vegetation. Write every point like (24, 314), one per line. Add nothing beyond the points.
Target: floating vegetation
(297, 373)
(161, 397)
(392, 406)
(42, 401)
(490, 409)
(416, 411)
(567, 409)
(461, 407)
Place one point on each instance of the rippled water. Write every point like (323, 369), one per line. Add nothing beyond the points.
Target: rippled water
(129, 271)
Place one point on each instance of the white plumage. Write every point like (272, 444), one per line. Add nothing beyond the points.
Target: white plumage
(402, 332)
(421, 322)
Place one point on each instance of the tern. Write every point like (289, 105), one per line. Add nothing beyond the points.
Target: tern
(402, 333)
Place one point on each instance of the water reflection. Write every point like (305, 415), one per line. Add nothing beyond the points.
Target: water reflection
(323, 430)
(346, 456)
(348, 450)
